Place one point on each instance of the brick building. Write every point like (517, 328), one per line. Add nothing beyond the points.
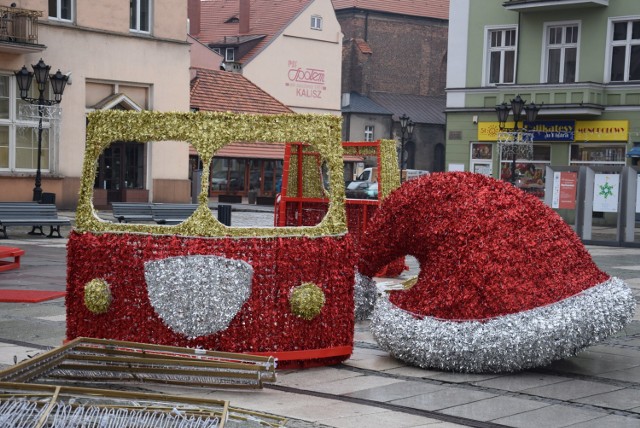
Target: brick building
(391, 49)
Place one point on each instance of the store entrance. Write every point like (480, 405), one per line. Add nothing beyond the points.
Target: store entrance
(120, 167)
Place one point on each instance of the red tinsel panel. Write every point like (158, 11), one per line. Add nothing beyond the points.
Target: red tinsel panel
(265, 322)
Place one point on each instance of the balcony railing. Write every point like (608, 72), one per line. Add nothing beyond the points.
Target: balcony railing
(19, 26)
(545, 5)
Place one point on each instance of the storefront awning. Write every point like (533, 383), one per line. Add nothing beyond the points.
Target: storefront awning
(634, 152)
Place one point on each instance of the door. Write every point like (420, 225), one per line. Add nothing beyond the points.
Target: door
(121, 167)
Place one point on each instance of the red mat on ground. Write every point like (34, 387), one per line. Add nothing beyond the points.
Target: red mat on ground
(29, 296)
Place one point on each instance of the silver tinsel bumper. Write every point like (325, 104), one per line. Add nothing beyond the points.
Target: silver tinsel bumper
(507, 343)
(364, 296)
(198, 295)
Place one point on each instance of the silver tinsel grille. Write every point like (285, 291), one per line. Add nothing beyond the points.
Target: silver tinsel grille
(508, 343)
(198, 295)
(364, 296)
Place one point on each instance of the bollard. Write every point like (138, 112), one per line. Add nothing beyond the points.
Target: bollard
(224, 214)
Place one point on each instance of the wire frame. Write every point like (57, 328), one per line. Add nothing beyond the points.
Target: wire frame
(52, 113)
(515, 143)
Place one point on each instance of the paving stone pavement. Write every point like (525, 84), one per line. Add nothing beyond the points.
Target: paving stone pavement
(599, 387)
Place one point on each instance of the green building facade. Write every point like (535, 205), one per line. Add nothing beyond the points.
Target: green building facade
(577, 59)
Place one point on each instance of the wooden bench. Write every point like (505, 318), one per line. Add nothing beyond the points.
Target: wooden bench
(172, 213)
(34, 215)
(6, 252)
(127, 212)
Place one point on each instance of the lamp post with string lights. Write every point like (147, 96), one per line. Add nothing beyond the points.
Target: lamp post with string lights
(406, 133)
(58, 82)
(518, 136)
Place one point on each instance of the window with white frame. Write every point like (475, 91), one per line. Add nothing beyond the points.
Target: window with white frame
(561, 53)
(624, 39)
(140, 16)
(316, 22)
(61, 10)
(230, 54)
(19, 136)
(501, 55)
(368, 133)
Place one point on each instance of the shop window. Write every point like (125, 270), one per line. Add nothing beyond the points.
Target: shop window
(140, 16)
(624, 40)
(530, 173)
(368, 133)
(598, 154)
(61, 10)
(561, 52)
(501, 55)
(482, 158)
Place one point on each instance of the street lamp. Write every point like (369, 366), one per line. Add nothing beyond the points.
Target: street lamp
(406, 128)
(58, 82)
(518, 136)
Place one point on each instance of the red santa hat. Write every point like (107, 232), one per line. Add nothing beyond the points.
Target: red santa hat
(505, 284)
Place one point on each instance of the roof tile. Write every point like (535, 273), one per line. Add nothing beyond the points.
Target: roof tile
(214, 90)
(267, 17)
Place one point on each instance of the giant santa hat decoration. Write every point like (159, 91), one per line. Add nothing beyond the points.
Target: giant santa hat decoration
(505, 284)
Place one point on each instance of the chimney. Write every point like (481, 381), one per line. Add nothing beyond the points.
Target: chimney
(193, 13)
(245, 12)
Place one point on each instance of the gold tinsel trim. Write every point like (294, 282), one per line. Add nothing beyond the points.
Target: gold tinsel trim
(209, 132)
(97, 296)
(306, 300)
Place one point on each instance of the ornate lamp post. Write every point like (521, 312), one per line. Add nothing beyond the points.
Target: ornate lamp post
(58, 82)
(518, 136)
(406, 129)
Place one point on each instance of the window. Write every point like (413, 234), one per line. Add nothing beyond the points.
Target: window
(19, 135)
(561, 53)
(230, 54)
(368, 133)
(598, 154)
(217, 50)
(61, 10)
(501, 55)
(316, 22)
(624, 39)
(530, 173)
(140, 15)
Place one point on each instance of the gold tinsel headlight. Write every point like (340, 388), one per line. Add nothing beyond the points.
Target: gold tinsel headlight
(97, 296)
(306, 301)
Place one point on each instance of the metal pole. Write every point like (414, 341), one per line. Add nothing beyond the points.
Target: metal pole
(515, 151)
(401, 154)
(37, 190)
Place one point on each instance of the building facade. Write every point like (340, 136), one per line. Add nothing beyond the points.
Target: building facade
(577, 60)
(393, 54)
(121, 54)
(290, 49)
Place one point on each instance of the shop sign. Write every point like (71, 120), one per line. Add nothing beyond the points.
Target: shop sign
(564, 130)
(602, 130)
(543, 131)
(556, 130)
(308, 82)
(565, 185)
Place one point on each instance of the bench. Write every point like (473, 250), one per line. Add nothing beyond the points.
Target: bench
(6, 252)
(172, 213)
(126, 212)
(34, 215)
